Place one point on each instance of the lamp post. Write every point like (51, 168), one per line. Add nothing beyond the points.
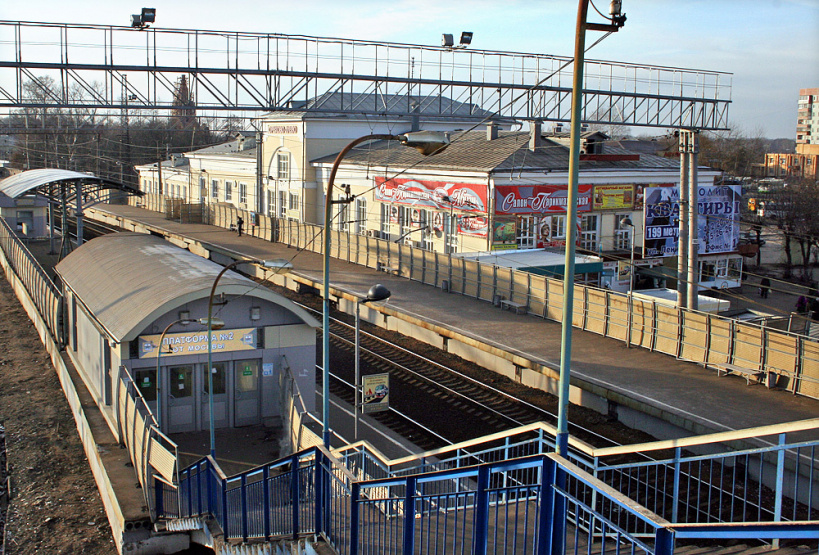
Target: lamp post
(281, 266)
(627, 222)
(376, 293)
(448, 238)
(427, 143)
(617, 20)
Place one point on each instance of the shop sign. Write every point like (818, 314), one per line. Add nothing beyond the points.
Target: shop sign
(539, 199)
(474, 226)
(375, 390)
(196, 343)
(718, 210)
(464, 197)
(283, 129)
(504, 236)
(613, 197)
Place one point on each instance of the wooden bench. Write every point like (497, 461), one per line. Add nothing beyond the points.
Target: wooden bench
(509, 305)
(746, 373)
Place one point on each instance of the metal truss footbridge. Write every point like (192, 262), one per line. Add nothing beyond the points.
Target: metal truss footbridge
(239, 74)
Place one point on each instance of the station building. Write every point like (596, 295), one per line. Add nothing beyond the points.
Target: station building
(495, 191)
(122, 291)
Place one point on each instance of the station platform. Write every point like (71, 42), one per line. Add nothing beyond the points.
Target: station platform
(691, 399)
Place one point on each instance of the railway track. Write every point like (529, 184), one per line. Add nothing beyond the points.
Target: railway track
(444, 403)
(432, 405)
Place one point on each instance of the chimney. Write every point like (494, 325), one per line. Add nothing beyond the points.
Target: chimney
(491, 131)
(535, 140)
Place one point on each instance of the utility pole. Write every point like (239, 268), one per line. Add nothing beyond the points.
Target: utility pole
(617, 20)
(688, 243)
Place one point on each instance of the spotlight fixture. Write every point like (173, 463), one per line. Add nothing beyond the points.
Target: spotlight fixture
(141, 20)
(448, 40)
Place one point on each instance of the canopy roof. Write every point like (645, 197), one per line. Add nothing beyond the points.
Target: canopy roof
(128, 280)
(35, 181)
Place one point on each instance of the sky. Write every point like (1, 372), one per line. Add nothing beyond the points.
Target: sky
(770, 47)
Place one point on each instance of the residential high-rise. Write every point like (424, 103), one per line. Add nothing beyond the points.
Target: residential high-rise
(807, 117)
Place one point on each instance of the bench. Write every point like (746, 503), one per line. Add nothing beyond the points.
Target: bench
(509, 305)
(389, 269)
(747, 373)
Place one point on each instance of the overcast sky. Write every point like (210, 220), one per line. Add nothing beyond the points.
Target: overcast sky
(771, 47)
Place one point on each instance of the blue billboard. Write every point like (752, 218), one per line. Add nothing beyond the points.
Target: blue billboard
(717, 225)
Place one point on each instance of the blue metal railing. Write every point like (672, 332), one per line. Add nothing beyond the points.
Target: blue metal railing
(534, 504)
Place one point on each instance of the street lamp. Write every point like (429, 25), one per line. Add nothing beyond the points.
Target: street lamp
(217, 324)
(376, 293)
(617, 20)
(627, 222)
(281, 266)
(427, 143)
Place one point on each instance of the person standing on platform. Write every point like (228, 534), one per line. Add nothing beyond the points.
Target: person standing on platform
(239, 224)
(764, 286)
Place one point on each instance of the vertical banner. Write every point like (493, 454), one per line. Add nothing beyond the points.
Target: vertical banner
(375, 390)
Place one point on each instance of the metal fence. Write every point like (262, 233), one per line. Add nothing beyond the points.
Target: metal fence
(42, 291)
(153, 454)
(785, 359)
(535, 504)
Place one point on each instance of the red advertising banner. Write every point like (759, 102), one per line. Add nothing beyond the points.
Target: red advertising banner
(464, 197)
(473, 225)
(539, 199)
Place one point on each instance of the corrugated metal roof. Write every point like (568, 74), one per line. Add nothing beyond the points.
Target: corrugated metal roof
(509, 152)
(20, 184)
(128, 280)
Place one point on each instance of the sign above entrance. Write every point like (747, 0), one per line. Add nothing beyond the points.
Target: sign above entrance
(194, 343)
(539, 199)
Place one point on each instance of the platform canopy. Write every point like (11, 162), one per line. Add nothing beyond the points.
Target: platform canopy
(41, 182)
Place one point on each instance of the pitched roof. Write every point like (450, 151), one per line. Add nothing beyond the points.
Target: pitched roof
(471, 151)
(344, 105)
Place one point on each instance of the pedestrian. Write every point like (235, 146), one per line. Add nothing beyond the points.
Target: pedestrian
(764, 285)
(801, 304)
(239, 224)
(814, 309)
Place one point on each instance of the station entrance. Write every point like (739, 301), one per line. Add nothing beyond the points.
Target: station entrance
(184, 393)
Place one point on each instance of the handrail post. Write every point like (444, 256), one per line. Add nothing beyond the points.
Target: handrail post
(409, 516)
(780, 482)
(243, 492)
(294, 493)
(266, 501)
(547, 507)
(674, 508)
(664, 541)
(355, 495)
(481, 524)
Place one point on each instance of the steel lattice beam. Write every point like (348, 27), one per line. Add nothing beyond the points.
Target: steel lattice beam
(248, 73)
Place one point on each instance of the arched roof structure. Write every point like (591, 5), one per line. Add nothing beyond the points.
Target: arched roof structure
(38, 181)
(128, 280)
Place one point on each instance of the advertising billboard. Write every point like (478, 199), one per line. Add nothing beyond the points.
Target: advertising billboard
(613, 197)
(717, 224)
(464, 197)
(539, 199)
